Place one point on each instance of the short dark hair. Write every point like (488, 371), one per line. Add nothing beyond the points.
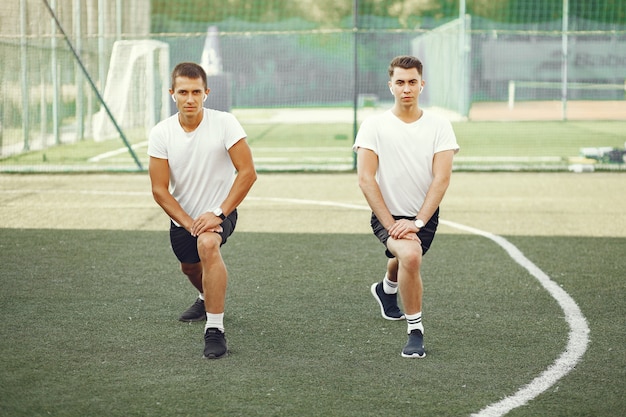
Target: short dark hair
(189, 70)
(406, 62)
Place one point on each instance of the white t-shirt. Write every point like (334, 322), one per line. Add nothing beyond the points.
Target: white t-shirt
(405, 156)
(201, 171)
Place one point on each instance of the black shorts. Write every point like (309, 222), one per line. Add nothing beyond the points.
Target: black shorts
(185, 246)
(426, 233)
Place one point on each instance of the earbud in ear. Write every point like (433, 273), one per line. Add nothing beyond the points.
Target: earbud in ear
(204, 98)
(421, 89)
(173, 98)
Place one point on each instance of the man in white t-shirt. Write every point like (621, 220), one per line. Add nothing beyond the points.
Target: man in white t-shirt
(201, 169)
(404, 164)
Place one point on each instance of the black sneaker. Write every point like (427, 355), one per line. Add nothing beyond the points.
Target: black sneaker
(214, 343)
(388, 303)
(194, 313)
(415, 346)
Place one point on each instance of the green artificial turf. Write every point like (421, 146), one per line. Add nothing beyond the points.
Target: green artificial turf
(90, 328)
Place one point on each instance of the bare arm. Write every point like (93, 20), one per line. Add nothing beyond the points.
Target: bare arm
(442, 170)
(367, 165)
(159, 171)
(241, 156)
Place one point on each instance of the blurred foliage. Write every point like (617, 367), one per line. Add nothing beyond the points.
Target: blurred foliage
(390, 13)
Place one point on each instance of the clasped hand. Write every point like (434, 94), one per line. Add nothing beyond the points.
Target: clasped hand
(207, 222)
(404, 229)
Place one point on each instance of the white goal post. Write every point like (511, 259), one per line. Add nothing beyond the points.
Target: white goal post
(136, 88)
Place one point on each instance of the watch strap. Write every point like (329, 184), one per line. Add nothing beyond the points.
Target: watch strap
(218, 212)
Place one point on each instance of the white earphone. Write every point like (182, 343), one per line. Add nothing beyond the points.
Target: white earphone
(173, 98)
(204, 98)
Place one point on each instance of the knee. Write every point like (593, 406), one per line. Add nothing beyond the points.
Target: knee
(208, 243)
(411, 260)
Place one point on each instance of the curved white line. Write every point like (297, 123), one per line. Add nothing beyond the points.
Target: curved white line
(309, 202)
(578, 337)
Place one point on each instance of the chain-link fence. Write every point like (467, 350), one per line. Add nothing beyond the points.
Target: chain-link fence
(83, 81)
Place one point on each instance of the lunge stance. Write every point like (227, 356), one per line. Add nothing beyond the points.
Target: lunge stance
(201, 169)
(404, 164)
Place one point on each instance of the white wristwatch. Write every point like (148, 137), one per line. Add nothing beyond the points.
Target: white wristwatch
(419, 223)
(218, 212)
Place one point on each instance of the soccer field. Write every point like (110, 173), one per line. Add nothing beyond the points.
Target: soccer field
(91, 293)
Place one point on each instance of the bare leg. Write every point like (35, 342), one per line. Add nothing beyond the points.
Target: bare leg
(409, 255)
(408, 262)
(392, 269)
(214, 274)
(194, 273)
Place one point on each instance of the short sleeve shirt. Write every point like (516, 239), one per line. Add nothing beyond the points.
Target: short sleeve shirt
(405, 156)
(201, 171)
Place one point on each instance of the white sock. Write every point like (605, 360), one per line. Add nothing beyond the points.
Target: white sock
(414, 321)
(214, 320)
(201, 296)
(389, 287)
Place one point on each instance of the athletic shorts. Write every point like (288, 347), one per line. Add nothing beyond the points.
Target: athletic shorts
(426, 233)
(185, 246)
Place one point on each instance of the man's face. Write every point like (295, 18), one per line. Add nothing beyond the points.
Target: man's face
(405, 85)
(189, 94)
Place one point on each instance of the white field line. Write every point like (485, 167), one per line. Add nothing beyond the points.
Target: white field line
(508, 159)
(303, 149)
(115, 152)
(85, 192)
(578, 337)
(309, 202)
